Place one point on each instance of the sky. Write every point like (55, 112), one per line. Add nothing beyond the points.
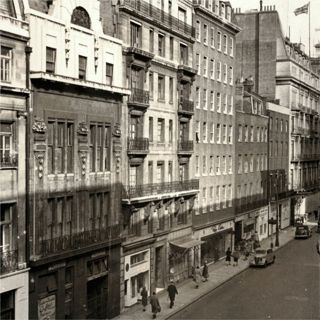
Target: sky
(298, 25)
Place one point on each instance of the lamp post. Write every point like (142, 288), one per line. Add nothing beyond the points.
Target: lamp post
(277, 211)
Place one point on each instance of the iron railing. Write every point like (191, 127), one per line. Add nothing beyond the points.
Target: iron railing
(79, 240)
(185, 145)
(158, 16)
(138, 144)
(297, 130)
(9, 161)
(241, 207)
(8, 261)
(139, 96)
(305, 157)
(186, 105)
(159, 188)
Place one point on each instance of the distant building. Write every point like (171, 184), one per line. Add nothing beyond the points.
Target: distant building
(14, 275)
(75, 162)
(251, 169)
(214, 124)
(282, 71)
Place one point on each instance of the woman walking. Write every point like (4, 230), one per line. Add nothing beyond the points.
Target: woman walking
(205, 271)
(144, 298)
(228, 257)
(155, 305)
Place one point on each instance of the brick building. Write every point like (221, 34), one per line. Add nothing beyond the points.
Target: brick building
(159, 191)
(282, 71)
(75, 161)
(14, 36)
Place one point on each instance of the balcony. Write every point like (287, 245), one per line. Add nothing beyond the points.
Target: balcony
(160, 190)
(138, 146)
(305, 157)
(9, 162)
(295, 107)
(296, 130)
(250, 205)
(186, 107)
(8, 261)
(186, 73)
(157, 17)
(79, 240)
(13, 25)
(185, 147)
(135, 52)
(139, 98)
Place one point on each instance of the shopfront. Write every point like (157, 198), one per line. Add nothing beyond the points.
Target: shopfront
(262, 223)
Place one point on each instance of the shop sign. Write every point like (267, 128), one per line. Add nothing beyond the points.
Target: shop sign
(217, 228)
(47, 308)
(57, 266)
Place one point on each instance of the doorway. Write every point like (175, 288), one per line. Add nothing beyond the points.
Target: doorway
(97, 298)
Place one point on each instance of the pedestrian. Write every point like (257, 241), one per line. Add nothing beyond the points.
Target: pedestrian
(144, 298)
(172, 291)
(318, 246)
(155, 305)
(236, 255)
(197, 276)
(205, 271)
(228, 256)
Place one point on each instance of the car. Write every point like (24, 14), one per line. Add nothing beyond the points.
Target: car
(303, 232)
(262, 257)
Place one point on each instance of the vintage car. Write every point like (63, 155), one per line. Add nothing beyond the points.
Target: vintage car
(262, 257)
(303, 232)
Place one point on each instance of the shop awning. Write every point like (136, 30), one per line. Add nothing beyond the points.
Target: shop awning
(186, 243)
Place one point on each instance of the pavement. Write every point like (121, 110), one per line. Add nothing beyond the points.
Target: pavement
(219, 273)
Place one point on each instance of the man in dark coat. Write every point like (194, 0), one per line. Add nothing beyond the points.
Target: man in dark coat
(172, 291)
(155, 305)
(144, 298)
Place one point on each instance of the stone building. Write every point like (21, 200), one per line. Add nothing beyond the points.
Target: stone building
(282, 71)
(14, 36)
(158, 194)
(214, 123)
(75, 162)
(251, 152)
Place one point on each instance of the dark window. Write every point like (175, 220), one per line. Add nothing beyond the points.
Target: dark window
(82, 67)
(161, 45)
(171, 47)
(150, 129)
(7, 305)
(50, 60)
(81, 17)
(109, 73)
(183, 54)
(151, 40)
(161, 87)
(135, 33)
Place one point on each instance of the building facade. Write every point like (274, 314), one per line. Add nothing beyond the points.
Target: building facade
(159, 192)
(214, 123)
(14, 274)
(251, 151)
(75, 176)
(282, 72)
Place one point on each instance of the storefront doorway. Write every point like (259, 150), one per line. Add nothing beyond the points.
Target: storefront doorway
(97, 295)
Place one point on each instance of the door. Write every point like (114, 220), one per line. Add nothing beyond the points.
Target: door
(159, 272)
(97, 298)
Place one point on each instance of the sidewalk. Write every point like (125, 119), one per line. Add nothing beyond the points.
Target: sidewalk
(219, 274)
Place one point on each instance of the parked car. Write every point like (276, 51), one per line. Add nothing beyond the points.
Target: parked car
(262, 257)
(303, 232)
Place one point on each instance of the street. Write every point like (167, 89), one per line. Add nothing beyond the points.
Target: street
(289, 289)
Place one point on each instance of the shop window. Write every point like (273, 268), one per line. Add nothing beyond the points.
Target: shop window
(6, 64)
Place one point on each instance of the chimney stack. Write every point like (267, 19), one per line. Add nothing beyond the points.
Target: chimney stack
(261, 5)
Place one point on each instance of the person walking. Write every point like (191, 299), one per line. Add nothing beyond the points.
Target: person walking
(197, 276)
(228, 257)
(236, 256)
(172, 291)
(155, 305)
(144, 298)
(205, 271)
(318, 246)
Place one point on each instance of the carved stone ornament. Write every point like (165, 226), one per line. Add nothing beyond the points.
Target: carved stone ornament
(116, 130)
(39, 126)
(83, 161)
(83, 129)
(39, 156)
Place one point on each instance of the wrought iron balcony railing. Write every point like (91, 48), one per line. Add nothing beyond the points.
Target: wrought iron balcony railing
(241, 207)
(78, 240)
(8, 261)
(185, 145)
(158, 16)
(305, 157)
(138, 144)
(160, 188)
(139, 96)
(9, 161)
(186, 105)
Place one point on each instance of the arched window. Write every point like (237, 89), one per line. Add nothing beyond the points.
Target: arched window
(81, 17)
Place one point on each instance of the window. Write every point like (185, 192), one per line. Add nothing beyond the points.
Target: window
(6, 215)
(225, 103)
(251, 134)
(204, 165)
(151, 85)
(212, 37)
(170, 131)
(225, 44)
(224, 133)
(81, 17)
(133, 173)
(211, 198)
(205, 66)
(212, 132)
(223, 197)
(161, 45)
(258, 162)
(170, 171)
(218, 135)
(204, 200)
(150, 172)
(212, 100)
(7, 310)
(218, 64)
(82, 67)
(6, 64)
(231, 47)
(218, 165)
(245, 133)
(224, 165)
(198, 28)
(231, 76)
(204, 132)
(197, 97)
(135, 35)
(170, 89)
(161, 87)
(211, 164)
(160, 130)
(205, 106)
(99, 147)
(239, 163)
(198, 63)
(7, 144)
(229, 196)
(230, 165)
(230, 105)
(225, 73)
(151, 40)
(245, 166)
(230, 135)
(251, 163)
(184, 54)
(258, 134)
(160, 172)
(205, 34)
(150, 129)
(197, 131)
(218, 102)
(239, 133)
(50, 60)
(197, 165)
(60, 146)
(281, 125)
(219, 40)
(109, 73)
(218, 197)
(212, 69)
(171, 49)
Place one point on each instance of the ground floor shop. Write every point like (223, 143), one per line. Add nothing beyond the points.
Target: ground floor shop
(82, 287)
(261, 221)
(306, 206)
(14, 295)
(216, 240)
(283, 207)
